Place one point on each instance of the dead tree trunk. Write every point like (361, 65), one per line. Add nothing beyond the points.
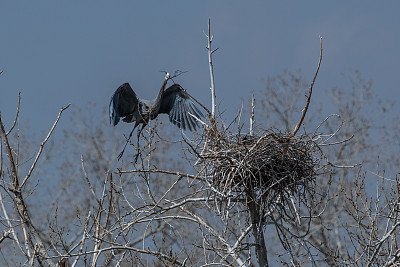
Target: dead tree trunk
(256, 216)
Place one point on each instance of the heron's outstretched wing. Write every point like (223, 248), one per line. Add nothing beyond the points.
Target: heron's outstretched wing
(177, 103)
(123, 103)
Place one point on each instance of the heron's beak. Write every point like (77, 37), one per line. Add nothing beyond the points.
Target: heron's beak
(165, 82)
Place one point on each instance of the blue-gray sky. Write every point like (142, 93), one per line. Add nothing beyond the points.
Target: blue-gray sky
(75, 52)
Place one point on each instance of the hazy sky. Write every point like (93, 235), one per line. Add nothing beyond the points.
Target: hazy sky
(57, 53)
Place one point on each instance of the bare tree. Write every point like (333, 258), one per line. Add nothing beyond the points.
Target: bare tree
(362, 136)
(281, 195)
(34, 242)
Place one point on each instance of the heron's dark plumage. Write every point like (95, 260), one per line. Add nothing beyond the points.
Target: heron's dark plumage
(123, 103)
(176, 102)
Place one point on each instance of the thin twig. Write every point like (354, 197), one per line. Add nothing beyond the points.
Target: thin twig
(9, 153)
(16, 116)
(98, 220)
(82, 241)
(252, 119)
(165, 172)
(88, 181)
(303, 115)
(380, 243)
(42, 145)
(212, 231)
(116, 246)
(197, 119)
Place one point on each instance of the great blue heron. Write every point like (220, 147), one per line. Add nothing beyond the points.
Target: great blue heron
(174, 101)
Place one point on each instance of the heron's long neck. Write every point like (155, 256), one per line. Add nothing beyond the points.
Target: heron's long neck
(158, 99)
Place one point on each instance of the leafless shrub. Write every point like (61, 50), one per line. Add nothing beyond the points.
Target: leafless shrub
(374, 228)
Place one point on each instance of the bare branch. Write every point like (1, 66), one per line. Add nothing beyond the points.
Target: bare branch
(9, 153)
(82, 241)
(6, 234)
(42, 145)
(201, 105)
(165, 172)
(252, 119)
(21, 206)
(380, 243)
(210, 52)
(212, 231)
(12, 230)
(303, 115)
(16, 116)
(116, 246)
(197, 119)
(88, 181)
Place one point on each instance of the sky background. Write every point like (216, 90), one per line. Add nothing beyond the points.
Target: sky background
(57, 53)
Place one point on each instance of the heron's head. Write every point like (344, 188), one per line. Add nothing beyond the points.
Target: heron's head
(167, 76)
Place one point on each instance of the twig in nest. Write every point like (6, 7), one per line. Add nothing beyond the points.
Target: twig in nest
(252, 118)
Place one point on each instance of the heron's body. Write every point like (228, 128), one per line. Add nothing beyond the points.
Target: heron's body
(143, 113)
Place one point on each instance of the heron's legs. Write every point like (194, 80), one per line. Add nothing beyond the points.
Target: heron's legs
(127, 141)
(129, 138)
(138, 138)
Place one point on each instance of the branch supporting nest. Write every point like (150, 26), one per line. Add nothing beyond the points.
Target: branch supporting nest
(269, 173)
(264, 174)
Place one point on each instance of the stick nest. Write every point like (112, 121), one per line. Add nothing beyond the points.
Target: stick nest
(265, 168)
